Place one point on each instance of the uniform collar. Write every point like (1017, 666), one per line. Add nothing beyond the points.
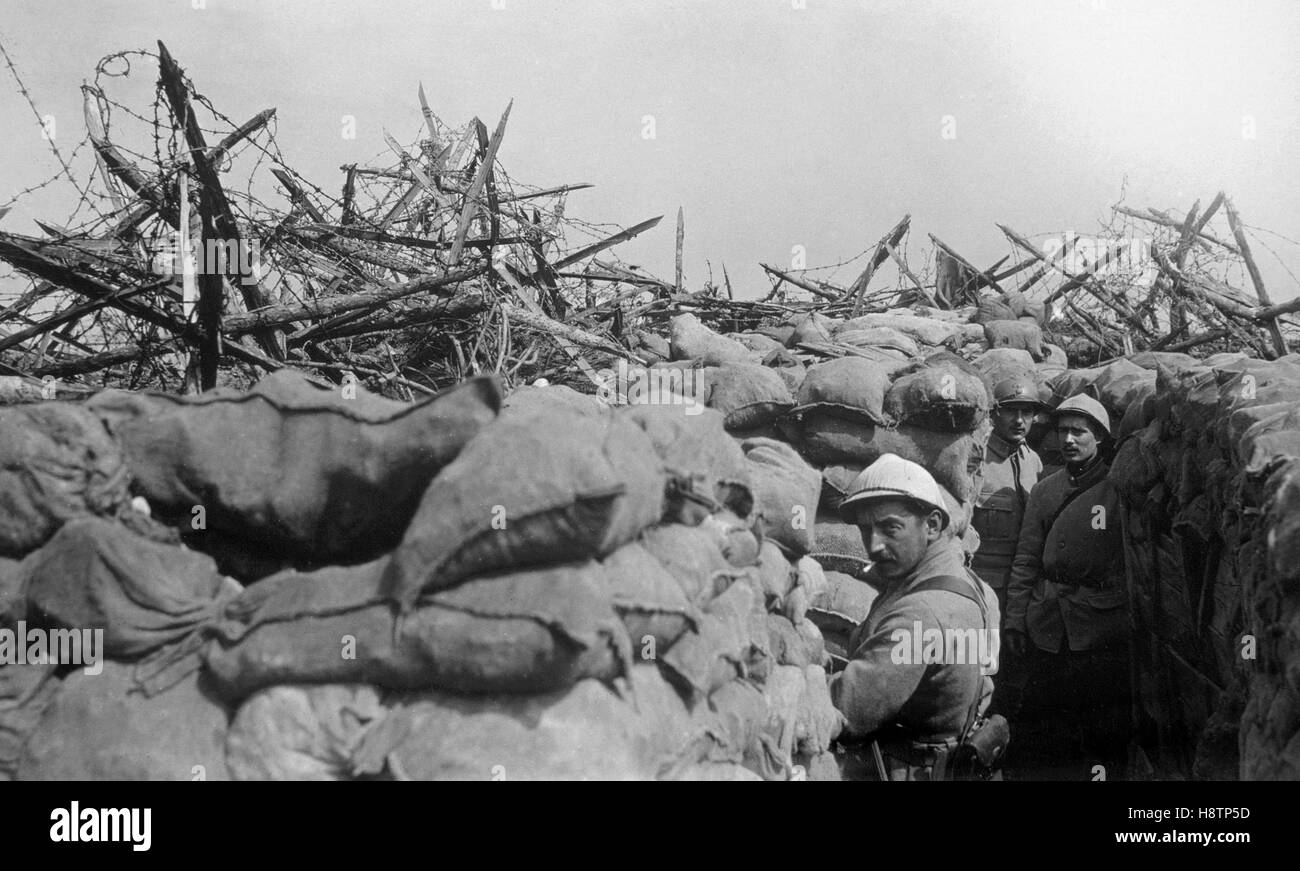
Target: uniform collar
(943, 557)
(1002, 448)
(1091, 474)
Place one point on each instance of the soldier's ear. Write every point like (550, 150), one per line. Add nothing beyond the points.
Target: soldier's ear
(933, 526)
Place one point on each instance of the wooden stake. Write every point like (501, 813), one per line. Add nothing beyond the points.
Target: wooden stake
(681, 237)
(1238, 233)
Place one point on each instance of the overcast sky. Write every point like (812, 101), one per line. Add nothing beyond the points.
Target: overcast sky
(775, 126)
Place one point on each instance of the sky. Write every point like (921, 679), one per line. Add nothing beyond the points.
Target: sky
(777, 123)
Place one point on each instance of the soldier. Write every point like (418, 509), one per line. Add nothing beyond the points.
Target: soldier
(1011, 469)
(1066, 602)
(915, 702)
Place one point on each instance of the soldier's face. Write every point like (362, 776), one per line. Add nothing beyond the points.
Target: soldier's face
(1078, 443)
(1012, 422)
(896, 536)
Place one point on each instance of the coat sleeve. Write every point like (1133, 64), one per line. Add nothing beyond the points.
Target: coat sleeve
(881, 677)
(1027, 565)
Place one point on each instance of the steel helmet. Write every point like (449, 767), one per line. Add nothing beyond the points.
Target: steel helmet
(1084, 406)
(892, 477)
(1018, 389)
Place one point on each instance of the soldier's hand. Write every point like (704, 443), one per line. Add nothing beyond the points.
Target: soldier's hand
(1016, 642)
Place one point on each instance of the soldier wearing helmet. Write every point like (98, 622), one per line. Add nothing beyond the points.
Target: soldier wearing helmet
(1066, 599)
(1011, 469)
(915, 700)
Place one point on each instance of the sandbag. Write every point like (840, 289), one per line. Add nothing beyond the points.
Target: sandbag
(952, 458)
(524, 631)
(999, 364)
(96, 573)
(292, 732)
(1054, 361)
(13, 591)
(942, 393)
(785, 644)
(1072, 382)
(25, 692)
(837, 480)
(780, 332)
(1155, 360)
(1136, 467)
(97, 728)
(16, 390)
(785, 690)
(715, 654)
(734, 537)
(705, 466)
(813, 640)
(879, 337)
(56, 462)
(775, 574)
(693, 556)
(1139, 413)
(717, 772)
(529, 399)
(1018, 334)
(747, 395)
(747, 728)
(531, 490)
(586, 732)
(818, 722)
(924, 331)
(757, 342)
(849, 387)
(786, 492)
(291, 465)
(839, 546)
(845, 597)
(991, 309)
(839, 610)
(1116, 381)
(791, 375)
(648, 346)
(649, 600)
(1282, 523)
(1025, 309)
(812, 327)
(689, 339)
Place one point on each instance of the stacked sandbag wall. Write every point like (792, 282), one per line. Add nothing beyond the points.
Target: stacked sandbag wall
(466, 588)
(1207, 467)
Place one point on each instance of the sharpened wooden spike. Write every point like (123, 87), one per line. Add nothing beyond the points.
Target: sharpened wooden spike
(1256, 279)
(480, 179)
(429, 120)
(681, 238)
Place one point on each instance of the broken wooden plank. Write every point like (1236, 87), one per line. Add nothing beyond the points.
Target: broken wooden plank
(1256, 279)
(214, 208)
(278, 315)
(480, 179)
(811, 288)
(681, 237)
(916, 282)
(607, 242)
(857, 290)
(1157, 218)
(980, 276)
